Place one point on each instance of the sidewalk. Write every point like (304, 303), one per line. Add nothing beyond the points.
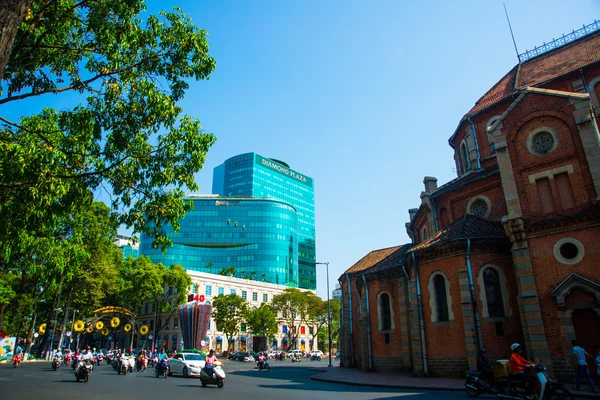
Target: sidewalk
(390, 380)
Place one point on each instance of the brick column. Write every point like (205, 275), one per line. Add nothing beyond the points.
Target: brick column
(528, 301)
(468, 320)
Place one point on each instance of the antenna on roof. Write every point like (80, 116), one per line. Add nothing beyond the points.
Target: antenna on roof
(511, 32)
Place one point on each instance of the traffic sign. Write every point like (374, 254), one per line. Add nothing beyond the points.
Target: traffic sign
(203, 343)
(35, 335)
(68, 333)
(150, 337)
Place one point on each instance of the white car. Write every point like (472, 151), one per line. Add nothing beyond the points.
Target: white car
(187, 364)
(317, 353)
(294, 353)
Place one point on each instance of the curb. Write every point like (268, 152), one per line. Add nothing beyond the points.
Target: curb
(386, 386)
(413, 387)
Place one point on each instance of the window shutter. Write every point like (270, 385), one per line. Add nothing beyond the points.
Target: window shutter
(545, 193)
(564, 191)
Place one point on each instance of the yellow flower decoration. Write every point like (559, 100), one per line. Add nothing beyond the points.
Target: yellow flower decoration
(115, 322)
(127, 327)
(79, 325)
(104, 331)
(99, 325)
(143, 329)
(90, 329)
(42, 329)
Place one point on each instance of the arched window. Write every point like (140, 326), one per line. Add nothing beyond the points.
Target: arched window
(465, 157)
(385, 312)
(493, 293)
(441, 300)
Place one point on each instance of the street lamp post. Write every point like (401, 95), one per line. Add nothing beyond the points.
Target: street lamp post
(328, 310)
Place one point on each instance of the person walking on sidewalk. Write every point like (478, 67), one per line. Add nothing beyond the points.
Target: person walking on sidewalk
(582, 366)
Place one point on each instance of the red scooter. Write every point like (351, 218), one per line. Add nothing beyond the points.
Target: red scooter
(16, 360)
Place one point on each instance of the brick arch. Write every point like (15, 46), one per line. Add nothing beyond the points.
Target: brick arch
(564, 117)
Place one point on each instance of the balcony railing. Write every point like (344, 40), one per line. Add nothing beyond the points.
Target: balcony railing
(561, 41)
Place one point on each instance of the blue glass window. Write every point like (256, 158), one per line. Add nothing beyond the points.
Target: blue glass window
(221, 290)
(208, 290)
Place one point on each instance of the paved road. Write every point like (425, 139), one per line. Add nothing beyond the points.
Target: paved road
(286, 380)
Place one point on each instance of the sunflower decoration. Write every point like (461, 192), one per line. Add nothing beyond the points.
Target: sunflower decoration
(127, 327)
(143, 329)
(104, 331)
(90, 329)
(99, 325)
(79, 325)
(42, 329)
(115, 322)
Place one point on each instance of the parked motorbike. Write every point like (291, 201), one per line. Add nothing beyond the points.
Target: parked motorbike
(84, 372)
(16, 360)
(513, 386)
(162, 369)
(216, 377)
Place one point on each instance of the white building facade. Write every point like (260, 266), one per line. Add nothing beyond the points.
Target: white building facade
(255, 293)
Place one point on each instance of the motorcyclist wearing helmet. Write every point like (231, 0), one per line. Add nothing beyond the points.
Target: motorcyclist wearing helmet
(518, 364)
(210, 361)
(484, 367)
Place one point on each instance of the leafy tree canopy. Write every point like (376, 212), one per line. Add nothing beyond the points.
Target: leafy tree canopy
(262, 321)
(228, 312)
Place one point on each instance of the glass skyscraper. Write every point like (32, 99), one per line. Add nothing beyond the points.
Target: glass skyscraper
(253, 175)
(257, 237)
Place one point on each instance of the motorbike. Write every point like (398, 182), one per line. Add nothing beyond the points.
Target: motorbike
(75, 362)
(217, 377)
(99, 359)
(315, 357)
(84, 372)
(67, 360)
(296, 358)
(263, 365)
(162, 369)
(122, 365)
(131, 363)
(16, 360)
(141, 364)
(56, 363)
(513, 387)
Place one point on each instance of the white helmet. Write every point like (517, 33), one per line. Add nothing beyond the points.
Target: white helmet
(514, 346)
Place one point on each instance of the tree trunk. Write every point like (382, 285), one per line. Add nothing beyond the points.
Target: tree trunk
(12, 13)
(49, 321)
(2, 308)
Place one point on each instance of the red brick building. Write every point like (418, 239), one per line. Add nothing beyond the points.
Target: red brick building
(509, 251)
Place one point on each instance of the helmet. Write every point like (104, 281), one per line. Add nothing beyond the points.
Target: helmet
(514, 346)
(482, 351)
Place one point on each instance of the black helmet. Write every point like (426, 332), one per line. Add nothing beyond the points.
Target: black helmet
(482, 351)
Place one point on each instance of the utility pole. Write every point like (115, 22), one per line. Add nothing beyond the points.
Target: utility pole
(328, 311)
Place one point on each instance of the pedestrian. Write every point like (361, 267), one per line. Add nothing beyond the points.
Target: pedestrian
(582, 366)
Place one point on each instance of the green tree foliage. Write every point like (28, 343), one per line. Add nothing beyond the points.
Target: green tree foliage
(262, 321)
(229, 271)
(165, 288)
(291, 307)
(126, 71)
(228, 313)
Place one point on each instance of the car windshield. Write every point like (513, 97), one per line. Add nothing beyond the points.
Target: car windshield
(193, 357)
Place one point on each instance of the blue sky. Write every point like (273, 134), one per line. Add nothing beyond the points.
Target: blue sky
(361, 96)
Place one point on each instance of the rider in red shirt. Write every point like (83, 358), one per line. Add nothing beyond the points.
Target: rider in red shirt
(517, 362)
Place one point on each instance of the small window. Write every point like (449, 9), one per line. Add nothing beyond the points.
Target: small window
(479, 208)
(302, 330)
(254, 296)
(244, 295)
(499, 325)
(465, 158)
(232, 291)
(208, 291)
(441, 301)
(545, 193)
(221, 290)
(569, 251)
(265, 297)
(243, 328)
(176, 323)
(565, 193)
(425, 234)
(542, 143)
